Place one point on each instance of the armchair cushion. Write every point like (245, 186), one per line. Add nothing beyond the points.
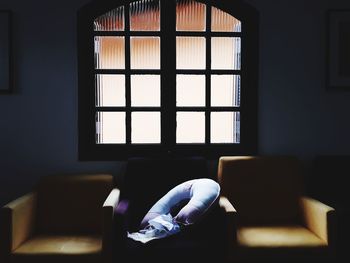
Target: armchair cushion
(277, 236)
(61, 244)
(262, 189)
(279, 243)
(72, 203)
(59, 248)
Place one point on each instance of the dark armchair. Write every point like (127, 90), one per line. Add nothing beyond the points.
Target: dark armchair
(145, 182)
(65, 218)
(276, 221)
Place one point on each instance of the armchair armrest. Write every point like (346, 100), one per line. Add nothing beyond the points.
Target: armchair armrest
(121, 222)
(227, 206)
(122, 208)
(109, 206)
(319, 218)
(231, 219)
(17, 222)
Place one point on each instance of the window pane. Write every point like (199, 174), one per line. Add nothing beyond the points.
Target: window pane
(110, 127)
(190, 90)
(224, 22)
(145, 15)
(110, 21)
(145, 90)
(190, 52)
(226, 53)
(145, 127)
(190, 15)
(190, 127)
(109, 53)
(225, 127)
(110, 90)
(225, 90)
(145, 52)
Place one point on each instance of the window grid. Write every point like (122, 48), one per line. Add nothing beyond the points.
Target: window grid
(208, 75)
(208, 72)
(128, 109)
(127, 74)
(90, 150)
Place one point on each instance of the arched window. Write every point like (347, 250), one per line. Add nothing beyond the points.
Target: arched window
(167, 77)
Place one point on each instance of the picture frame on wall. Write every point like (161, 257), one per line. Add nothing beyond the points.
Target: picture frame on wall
(6, 62)
(338, 55)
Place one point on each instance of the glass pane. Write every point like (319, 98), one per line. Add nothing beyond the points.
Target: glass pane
(145, 90)
(190, 127)
(145, 127)
(190, 90)
(145, 52)
(225, 90)
(110, 127)
(145, 15)
(225, 127)
(224, 22)
(190, 52)
(109, 53)
(110, 21)
(190, 15)
(226, 53)
(110, 90)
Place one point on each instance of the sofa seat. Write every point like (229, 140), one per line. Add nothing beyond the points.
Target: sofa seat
(277, 236)
(59, 249)
(281, 243)
(61, 244)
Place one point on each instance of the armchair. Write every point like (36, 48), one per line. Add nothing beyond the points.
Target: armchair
(275, 221)
(146, 180)
(65, 219)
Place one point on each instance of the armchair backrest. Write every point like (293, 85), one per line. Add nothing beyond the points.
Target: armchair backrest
(72, 203)
(263, 189)
(146, 180)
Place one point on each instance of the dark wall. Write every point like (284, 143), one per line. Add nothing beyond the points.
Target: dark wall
(296, 113)
(38, 133)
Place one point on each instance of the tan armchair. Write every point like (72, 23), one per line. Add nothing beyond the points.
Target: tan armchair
(65, 219)
(273, 218)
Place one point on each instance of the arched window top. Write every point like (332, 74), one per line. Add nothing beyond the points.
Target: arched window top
(111, 21)
(145, 16)
(224, 22)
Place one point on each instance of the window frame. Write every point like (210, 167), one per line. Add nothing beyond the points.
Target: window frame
(89, 150)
